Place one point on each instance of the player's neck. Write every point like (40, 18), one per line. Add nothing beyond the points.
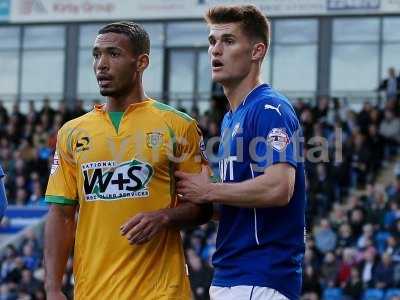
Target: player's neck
(237, 92)
(121, 103)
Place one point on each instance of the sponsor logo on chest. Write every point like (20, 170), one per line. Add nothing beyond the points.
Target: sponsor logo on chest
(109, 181)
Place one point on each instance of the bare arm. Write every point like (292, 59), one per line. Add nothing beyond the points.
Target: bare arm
(58, 241)
(144, 226)
(273, 188)
(188, 214)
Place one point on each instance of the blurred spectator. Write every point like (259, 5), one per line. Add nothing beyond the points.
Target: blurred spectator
(345, 237)
(364, 118)
(47, 110)
(361, 156)
(299, 105)
(307, 121)
(218, 108)
(391, 85)
(30, 238)
(311, 255)
(8, 262)
(354, 287)
(393, 190)
(78, 110)
(383, 274)
(368, 267)
(351, 121)
(393, 249)
(395, 230)
(320, 112)
(329, 269)
(28, 282)
(15, 275)
(389, 129)
(356, 221)
(31, 261)
(63, 113)
(325, 237)
(377, 206)
(367, 235)
(7, 292)
(3, 114)
(322, 191)
(311, 284)
(347, 263)
(21, 196)
(375, 141)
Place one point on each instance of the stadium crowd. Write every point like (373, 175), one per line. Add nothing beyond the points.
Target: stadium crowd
(353, 237)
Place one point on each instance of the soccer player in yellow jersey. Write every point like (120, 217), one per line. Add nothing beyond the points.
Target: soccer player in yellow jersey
(112, 188)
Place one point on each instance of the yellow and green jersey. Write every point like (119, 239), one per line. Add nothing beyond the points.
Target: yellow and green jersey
(113, 173)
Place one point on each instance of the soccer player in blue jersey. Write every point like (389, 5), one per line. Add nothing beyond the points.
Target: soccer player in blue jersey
(260, 241)
(3, 199)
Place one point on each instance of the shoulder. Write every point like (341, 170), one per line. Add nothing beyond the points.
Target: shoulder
(78, 125)
(272, 105)
(80, 121)
(1, 172)
(174, 118)
(170, 112)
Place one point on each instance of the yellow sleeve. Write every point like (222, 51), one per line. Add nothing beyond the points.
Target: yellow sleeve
(62, 185)
(191, 149)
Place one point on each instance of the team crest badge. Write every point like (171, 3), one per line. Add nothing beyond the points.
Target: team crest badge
(154, 139)
(278, 139)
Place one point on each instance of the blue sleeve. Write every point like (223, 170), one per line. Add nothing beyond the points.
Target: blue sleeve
(276, 135)
(3, 199)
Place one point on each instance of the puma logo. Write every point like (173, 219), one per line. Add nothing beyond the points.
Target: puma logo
(267, 106)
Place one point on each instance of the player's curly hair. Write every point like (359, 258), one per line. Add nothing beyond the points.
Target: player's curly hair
(253, 22)
(137, 35)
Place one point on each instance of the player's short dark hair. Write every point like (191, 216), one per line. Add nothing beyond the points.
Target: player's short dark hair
(137, 35)
(253, 22)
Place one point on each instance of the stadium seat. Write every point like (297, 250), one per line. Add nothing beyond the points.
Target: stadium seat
(391, 293)
(332, 294)
(373, 294)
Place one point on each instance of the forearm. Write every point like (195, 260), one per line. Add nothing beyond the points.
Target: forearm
(258, 192)
(59, 239)
(188, 214)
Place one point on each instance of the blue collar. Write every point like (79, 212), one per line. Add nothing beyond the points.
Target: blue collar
(250, 96)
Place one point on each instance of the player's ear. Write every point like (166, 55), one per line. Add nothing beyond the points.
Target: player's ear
(259, 51)
(142, 62)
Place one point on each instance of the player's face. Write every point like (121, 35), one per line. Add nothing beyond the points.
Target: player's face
(230, 51)
(114, 64)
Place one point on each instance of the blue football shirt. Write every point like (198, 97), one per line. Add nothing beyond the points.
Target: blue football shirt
(261, 246)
